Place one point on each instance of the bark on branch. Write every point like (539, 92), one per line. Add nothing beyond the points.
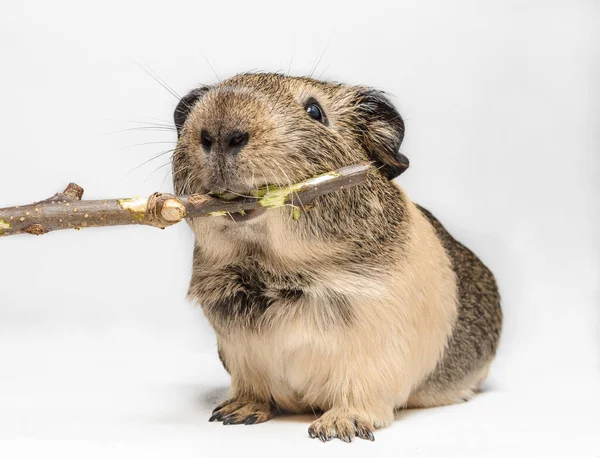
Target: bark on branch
(66, 210)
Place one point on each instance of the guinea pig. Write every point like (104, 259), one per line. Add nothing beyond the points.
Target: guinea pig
(362, 306)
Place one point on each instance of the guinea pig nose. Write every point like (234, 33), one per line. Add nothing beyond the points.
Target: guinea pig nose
(206, 140)
(235, 141)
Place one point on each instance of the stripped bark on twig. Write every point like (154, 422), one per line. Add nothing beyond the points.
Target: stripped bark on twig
(66, 210)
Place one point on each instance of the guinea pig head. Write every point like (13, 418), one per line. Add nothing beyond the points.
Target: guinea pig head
(257, 129)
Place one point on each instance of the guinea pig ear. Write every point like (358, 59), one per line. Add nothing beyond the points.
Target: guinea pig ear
(382, 130)
(185, 106)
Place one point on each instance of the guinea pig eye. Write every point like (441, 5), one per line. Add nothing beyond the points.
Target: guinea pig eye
(315, 111)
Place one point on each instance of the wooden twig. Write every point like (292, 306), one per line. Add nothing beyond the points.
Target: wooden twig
(66, 210)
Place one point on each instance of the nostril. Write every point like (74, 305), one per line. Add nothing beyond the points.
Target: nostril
(237, 140)
(206, 140)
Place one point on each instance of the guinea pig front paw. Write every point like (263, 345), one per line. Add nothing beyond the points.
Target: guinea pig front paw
(237, 411)
(342, 424)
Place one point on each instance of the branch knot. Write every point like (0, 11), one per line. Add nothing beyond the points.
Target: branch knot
(164, 210)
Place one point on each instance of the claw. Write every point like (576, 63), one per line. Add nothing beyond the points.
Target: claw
(363, 432)
(229, 420)
(324, 437)
(217, 409)
(235, 420)
(251, 420)
(235, 412)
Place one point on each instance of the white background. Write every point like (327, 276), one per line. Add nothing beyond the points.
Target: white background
(101, 355)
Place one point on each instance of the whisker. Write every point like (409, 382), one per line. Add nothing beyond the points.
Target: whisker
(156, 156)
(132, 121)
(162, 121)
(242, 195)
(177, 172)
(266, 181)
(160, 81)
(156, 170)
(157, 124)
(323, 72)
(280, 188)
(321, 57)
(231, 216)
(157, 129)
(252, 179)
(209, 65)
(290, 185)
(162, 183)
(186, 185)
(292, 59)
(149, 143)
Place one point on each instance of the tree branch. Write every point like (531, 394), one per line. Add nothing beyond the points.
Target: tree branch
(66, 210)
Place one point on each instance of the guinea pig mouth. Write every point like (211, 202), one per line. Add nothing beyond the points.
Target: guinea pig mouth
(236, 216)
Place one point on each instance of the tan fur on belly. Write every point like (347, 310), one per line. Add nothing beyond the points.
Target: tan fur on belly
(372, 365)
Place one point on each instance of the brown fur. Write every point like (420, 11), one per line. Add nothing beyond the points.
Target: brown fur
(363, 306)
